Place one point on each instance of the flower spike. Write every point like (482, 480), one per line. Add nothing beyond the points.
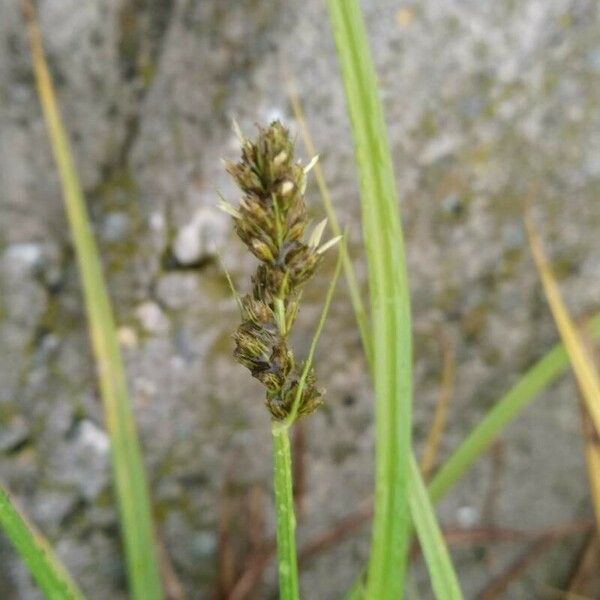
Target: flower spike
(271, 221)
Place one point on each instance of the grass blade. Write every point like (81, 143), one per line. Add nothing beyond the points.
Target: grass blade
(45, 567)
(538, 377)
(360, 313)
(389, 300)
(582, 363)
(422, 512)
(128, 468)
(434, 437)
(374, 160)
(592, 460)
(443, 578)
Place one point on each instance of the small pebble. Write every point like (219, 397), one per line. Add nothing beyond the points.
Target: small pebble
(91, 437)
(127, 337)
(115, 227)
(467, 516)
(24, 254)
(200, 238)
(152, 318)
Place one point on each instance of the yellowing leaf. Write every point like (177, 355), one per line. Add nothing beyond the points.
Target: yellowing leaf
(582, 362)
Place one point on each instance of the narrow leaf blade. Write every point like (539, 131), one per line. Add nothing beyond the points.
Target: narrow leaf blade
(43, 564)
(390, 305)
(128, 468)
(439, 564)
(583, 364)
(581, 360)
(542, 374)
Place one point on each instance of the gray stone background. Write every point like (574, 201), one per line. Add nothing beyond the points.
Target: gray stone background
(485, 100)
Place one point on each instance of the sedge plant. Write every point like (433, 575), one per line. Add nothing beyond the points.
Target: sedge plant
(268, 314)
(271, 220)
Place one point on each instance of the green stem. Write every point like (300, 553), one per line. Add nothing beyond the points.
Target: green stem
(284, 496)
(286, 521)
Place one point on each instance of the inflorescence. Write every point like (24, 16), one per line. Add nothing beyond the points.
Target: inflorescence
(271, 220)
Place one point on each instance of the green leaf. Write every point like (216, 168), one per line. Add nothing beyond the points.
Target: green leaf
(389, 300)
(443, 578)
(360, 313)
(45, 567)
(128, 468)
(538, 377)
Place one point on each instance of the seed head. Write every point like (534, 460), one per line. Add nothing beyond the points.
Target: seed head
(271, 221)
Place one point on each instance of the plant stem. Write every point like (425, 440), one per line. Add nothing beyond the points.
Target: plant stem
(286, 520)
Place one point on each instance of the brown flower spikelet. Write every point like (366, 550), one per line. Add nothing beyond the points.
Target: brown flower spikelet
(271, 220)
